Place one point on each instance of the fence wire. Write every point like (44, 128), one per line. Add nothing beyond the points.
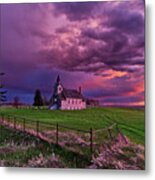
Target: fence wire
(81, 141)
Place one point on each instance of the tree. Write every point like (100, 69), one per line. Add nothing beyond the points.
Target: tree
(38, 101)
(2, 91)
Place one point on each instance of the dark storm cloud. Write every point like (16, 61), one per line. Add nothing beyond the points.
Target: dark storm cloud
(114, 39)
(116, 46)
(126, 21)
(76, 11)
(104, 41)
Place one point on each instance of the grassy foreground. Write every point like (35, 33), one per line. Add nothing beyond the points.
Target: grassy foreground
(131, 121)
(19, 149)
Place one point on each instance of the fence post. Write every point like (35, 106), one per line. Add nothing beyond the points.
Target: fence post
(1, 133)
(57, 133)
(24, 124)
(91, 140)
(110, 135)
(37, 127)
(8, 120)
(2, 118)
(14, 123)
(121, 134)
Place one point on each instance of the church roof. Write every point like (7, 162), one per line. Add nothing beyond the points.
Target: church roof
(71, 93)
(58, 79)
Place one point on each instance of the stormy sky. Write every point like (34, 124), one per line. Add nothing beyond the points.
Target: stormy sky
(96, 45)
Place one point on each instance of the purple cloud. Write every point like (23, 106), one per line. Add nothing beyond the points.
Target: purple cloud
(76, 11)
(100, 42)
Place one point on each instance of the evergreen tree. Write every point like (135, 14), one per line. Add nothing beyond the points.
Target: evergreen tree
(38, 101)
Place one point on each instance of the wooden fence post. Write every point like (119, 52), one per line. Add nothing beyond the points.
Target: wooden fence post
(57, 134)
(24, 124)
(2, 118)
(119, 131)
(8, 120)
(91, 140)
(7, 117)
(110, 135)
(37, 127)
(1, 132)
(14, 123)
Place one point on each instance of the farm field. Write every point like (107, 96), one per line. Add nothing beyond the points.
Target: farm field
(131, 121)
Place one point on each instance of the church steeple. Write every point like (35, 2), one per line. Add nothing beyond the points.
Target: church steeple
(58, 87)
(58, 79)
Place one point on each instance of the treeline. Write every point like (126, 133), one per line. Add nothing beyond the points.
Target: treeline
(38, 100)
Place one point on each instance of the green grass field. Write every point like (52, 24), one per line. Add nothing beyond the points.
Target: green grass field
(131, 121)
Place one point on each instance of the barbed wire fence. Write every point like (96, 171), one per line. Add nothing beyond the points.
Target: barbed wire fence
(74, 139)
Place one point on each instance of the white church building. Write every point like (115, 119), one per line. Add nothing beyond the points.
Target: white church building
(66, 99)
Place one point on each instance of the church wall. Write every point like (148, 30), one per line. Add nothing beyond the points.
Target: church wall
(73, 104)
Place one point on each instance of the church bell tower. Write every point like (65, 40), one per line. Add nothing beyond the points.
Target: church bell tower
(59, 86)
